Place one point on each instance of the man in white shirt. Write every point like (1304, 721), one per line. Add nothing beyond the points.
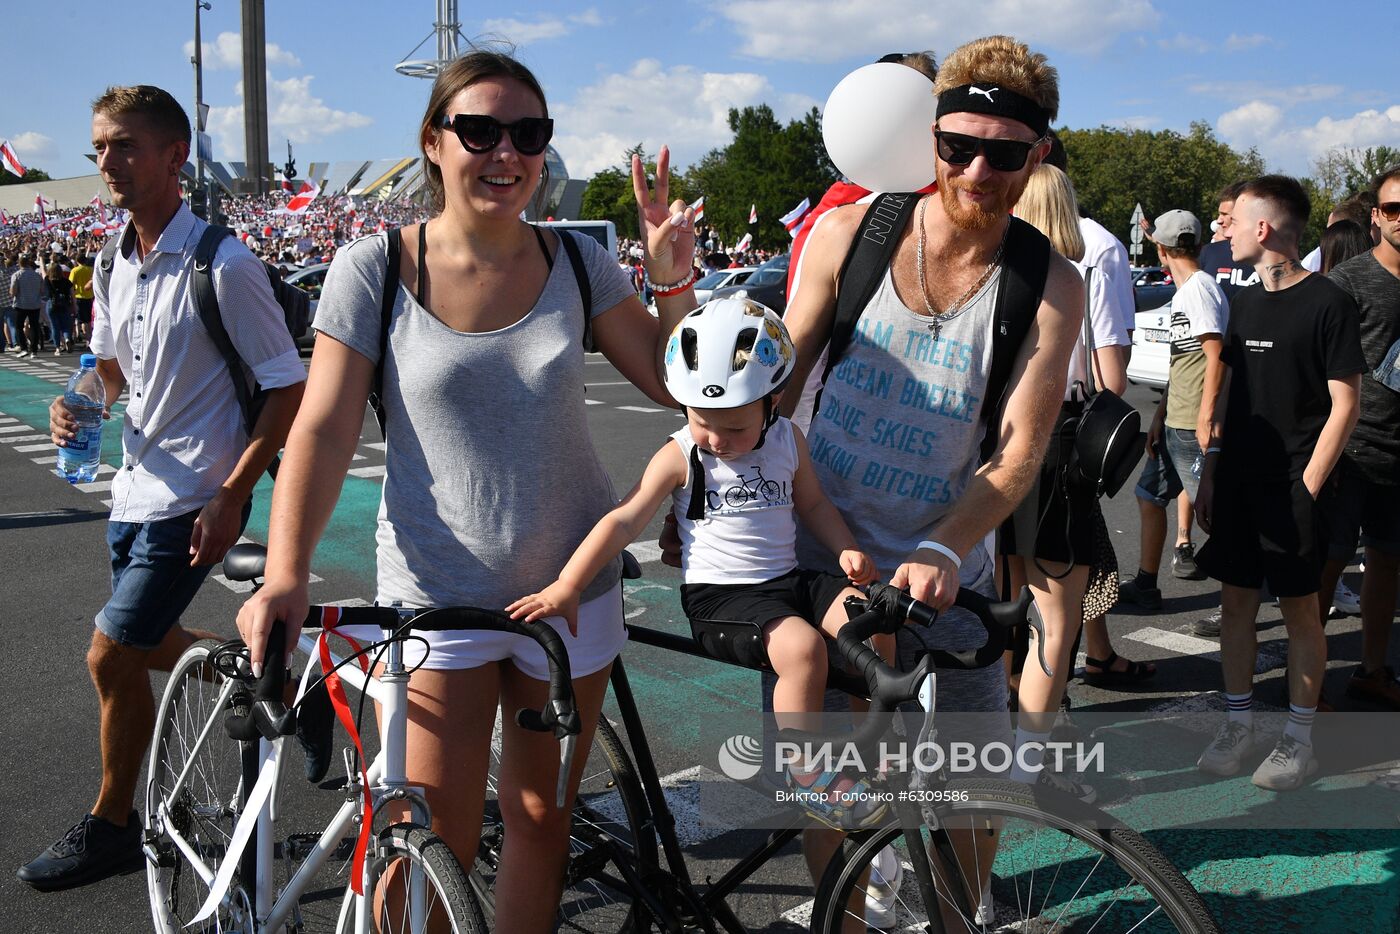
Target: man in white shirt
(181, 496)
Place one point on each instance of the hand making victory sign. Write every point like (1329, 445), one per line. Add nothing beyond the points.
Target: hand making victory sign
(667, 228)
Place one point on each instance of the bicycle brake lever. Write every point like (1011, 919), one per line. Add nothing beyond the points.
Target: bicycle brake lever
(567, 745)
(1034, 621)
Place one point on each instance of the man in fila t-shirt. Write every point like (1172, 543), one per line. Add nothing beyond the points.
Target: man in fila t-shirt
(1288, 399)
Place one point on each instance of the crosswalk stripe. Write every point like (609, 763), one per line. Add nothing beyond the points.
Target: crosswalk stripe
(594, 402)
(6, 420)
(15, 439)
(378, 471)
(376, 445)
(28, 448)
(637, 408)
(1272, 654)
(645, 552)
(11, 429)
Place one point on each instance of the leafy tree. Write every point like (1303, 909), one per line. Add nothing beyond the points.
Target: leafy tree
(768, 165)
(1342, 171)
(609, 193)
(31, 175)
(1114, 168)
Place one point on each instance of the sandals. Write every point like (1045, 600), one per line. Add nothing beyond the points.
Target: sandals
(1107, 677)
(856, 806)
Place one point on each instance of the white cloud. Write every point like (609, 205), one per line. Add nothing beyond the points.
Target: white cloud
(293, 112)
(683, 107)
(1258, 90)
(525, 32)
(34, 149)
(1238, 43)
(226, 52)
(1294, 145)
(830, 30)
(1184, 43)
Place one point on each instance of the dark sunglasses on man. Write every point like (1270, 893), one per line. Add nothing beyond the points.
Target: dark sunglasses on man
(480, 133)
(1390, 210)
(1004, 155)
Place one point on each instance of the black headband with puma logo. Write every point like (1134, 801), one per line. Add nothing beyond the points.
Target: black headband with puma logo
(996, 102)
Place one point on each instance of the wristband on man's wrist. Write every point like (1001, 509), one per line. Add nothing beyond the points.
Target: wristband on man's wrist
(943, 550)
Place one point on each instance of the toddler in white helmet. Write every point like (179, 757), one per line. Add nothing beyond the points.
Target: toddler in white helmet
(739, 477)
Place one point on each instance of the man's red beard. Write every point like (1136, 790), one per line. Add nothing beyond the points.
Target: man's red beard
(978, 216)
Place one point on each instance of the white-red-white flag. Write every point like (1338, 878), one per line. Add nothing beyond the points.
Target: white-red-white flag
(300, 201)
(753, 214)
(4, 218)
(101, 207)
(699, 205)
(792, 220)
(10, 159)
(39, 206)
(743, 244)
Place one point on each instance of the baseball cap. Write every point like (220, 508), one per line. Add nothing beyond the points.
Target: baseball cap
(1177, 229)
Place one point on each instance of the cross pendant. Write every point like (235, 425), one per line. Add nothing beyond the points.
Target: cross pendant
(937, 328)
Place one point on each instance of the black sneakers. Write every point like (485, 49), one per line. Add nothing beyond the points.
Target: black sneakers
(315, 722)
(93, 849)
(1147, 598)
(1184, 563)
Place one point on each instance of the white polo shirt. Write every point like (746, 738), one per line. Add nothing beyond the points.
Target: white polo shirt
(183, 432)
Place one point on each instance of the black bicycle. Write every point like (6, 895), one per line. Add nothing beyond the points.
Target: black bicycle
(1059, 865)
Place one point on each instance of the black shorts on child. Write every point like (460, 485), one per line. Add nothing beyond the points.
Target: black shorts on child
(802, 593)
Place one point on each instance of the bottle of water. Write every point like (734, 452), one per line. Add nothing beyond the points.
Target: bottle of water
(78, 461)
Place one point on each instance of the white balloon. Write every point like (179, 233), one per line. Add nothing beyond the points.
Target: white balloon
(878, 127)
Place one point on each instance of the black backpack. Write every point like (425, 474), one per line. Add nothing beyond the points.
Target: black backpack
(295, 304)
(1025, 265)
(391, 291)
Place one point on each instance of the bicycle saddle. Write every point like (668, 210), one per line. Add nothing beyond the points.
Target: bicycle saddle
(245, 561)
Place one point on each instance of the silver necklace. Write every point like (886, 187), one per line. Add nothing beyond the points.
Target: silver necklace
(936, 325)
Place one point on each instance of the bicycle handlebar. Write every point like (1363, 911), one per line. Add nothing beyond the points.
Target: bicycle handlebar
(269, 717)
(884, 610)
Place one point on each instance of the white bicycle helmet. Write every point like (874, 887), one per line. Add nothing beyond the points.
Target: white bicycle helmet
(727, 353)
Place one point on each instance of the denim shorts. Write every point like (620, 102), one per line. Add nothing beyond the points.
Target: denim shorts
(152, 581)
(1163, 478)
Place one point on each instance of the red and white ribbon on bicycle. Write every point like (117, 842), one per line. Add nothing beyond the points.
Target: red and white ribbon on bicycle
(330, 620)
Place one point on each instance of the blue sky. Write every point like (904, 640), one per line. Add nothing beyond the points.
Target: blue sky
(1295, 82)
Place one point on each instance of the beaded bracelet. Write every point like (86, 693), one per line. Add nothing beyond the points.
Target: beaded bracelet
(666, 291)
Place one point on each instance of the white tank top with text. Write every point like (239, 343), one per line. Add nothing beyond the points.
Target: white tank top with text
(749, 532)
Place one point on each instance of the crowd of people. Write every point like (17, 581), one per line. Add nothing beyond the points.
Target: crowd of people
(1278, 427)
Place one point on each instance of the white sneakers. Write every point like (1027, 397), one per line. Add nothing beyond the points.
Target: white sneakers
(1285, 768)
(1290, 764)
(1345, 602)
(1226, 752)
(882, 891)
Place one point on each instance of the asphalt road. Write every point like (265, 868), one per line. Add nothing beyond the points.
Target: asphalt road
(55, 579)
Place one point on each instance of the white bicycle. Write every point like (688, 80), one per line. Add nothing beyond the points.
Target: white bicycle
(217, 856)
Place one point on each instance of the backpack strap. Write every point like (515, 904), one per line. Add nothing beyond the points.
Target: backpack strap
(585, 287)
(1024, 268)
(386, 311)
(865, 264)
(105, 260)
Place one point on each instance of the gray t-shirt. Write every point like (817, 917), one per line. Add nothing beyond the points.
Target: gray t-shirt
(1374, 444)
(492, 478)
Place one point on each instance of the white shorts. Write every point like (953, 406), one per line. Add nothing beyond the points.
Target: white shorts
(600, 640)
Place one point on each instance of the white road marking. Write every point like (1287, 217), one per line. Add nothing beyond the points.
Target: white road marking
(14, 439)
(1272, 653)
(594, 402)
(377, 445)
(11, 429)
(645, 552)
(637, 408)
(6, 420)
(621, 382)
(378, 471)
(29, 448)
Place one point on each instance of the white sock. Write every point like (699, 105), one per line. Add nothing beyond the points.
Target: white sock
(1237, 708)
(1032, 756)
(1300, 721)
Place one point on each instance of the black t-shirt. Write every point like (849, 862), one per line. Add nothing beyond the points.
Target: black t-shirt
(1375, 443)
(1231, 276)
(1282, 348)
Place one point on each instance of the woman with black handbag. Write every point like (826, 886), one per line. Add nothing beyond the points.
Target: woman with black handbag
(1054, 539)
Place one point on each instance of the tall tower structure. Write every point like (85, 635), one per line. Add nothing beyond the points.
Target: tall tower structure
(259, 172)
(447, 29)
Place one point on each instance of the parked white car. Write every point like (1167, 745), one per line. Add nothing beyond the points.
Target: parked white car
(1152, 347)
(719, 279)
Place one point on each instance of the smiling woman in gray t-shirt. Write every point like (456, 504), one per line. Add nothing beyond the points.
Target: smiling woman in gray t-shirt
(492, 478)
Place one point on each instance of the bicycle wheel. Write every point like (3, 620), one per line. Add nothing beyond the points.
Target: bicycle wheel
(1051, 873)
(772, 491)
(610, 823)
(418, 885)
(203, 809)
(737, 496)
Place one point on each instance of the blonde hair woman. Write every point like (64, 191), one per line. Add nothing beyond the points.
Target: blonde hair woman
(1049, 539)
